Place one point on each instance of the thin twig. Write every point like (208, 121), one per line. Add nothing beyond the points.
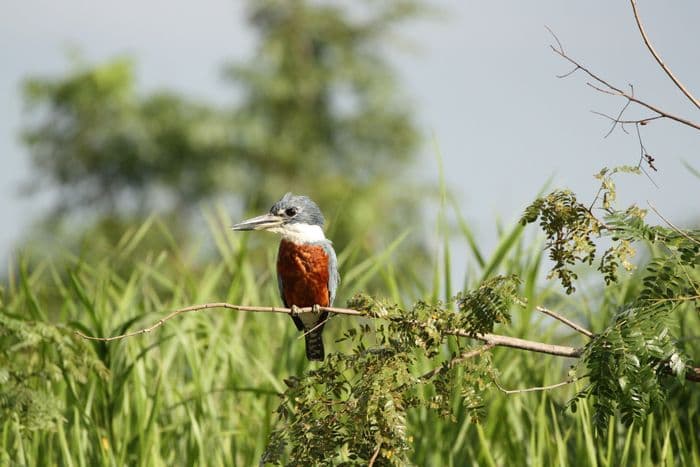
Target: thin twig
(374, 456)
(605, 91)
(641, 121)
(568, 322)
(656, 56)
(670, 224)
(559, 44)
(205, 306)
(318, 325)
(541, 388)
(644, 155)
(576, 327)
(595, 200)
(642, 148)
(619, 116)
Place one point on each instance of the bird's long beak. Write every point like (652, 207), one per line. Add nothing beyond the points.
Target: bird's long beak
(264, 222)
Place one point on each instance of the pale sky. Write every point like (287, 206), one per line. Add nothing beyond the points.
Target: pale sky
(481, 80)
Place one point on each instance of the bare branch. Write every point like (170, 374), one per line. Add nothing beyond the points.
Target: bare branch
(568, 73)
(641, 121)
(557, 316)
(670, 224)
(522, 344)
(656, 56)
(606, 87)
(571, 324)
(205, 306)
(644, 156)
(619, 116)
(599, 89)
(561, 47)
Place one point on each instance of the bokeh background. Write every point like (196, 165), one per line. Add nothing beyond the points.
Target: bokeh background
(135, 133)
(478, 78)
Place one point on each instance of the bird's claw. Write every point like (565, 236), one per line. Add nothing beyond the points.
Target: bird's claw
(316, 309)
(296, 311)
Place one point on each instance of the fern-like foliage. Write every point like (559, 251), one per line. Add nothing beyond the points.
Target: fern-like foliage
(26, 393)
(488, 305)
(570, 229)
(632, 363)
(354, 407)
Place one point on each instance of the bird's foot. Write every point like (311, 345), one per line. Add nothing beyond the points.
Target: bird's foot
(316, 309)
(296, 311)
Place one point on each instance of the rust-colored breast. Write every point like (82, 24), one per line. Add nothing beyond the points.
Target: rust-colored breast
(303, 270)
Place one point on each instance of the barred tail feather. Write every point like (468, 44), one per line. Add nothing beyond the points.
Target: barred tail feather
(314, 345)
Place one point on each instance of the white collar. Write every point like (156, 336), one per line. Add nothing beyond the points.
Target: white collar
(300, 233)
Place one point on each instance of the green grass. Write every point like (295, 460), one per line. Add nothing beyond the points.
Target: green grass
(203, 389)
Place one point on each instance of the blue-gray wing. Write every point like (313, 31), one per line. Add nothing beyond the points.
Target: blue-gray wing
(333, 275)
(280, 287)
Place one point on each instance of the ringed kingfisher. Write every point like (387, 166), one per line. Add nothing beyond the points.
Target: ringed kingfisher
(307, 268)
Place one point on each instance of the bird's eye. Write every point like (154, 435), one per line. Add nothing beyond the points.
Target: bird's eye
(291, 212)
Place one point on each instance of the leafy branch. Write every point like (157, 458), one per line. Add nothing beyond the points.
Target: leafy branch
(631, 364)
(491, 340)
(353, 407)
(358, 400)
(494, 340)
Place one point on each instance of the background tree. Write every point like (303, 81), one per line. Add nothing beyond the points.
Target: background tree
(111, 152)
(319, 113)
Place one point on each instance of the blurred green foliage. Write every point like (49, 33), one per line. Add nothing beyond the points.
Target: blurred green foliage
(631, 364)
(110, 150)
(318, 112)
(226, 388)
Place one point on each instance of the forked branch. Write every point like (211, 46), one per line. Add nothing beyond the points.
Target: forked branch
(604, 86)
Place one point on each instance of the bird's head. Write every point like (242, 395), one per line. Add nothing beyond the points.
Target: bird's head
(295, 217)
